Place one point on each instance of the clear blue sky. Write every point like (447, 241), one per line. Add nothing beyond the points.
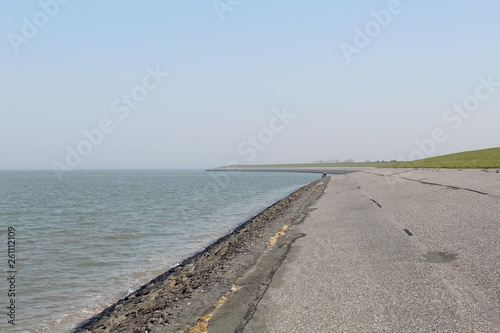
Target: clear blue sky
(344, 84)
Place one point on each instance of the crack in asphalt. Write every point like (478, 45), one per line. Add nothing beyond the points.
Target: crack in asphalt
(408, 232)
(376, 203)
(253, 306)
(429, 183)
(447, 186)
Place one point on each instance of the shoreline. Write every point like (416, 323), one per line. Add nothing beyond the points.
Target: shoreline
(328, 170)
(175, 300)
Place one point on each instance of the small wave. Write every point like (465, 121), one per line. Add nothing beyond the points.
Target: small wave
(122, 236)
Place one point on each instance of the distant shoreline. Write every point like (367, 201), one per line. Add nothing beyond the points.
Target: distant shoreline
(328, 170)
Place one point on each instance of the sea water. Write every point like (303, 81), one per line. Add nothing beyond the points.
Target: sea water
(86, 241)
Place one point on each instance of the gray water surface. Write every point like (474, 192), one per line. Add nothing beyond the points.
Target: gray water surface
(83, 243)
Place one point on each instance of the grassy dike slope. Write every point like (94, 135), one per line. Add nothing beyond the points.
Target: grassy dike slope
(476, 159)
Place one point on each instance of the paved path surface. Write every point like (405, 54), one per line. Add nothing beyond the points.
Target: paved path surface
(358, 270)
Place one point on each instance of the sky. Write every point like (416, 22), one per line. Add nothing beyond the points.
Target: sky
(197, 84)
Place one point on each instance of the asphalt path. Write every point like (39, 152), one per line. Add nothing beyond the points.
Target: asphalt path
(387, 250)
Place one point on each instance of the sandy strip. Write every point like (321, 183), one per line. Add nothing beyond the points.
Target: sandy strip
(184, 298)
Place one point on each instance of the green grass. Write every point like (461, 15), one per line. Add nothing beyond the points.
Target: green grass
(476, 159)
